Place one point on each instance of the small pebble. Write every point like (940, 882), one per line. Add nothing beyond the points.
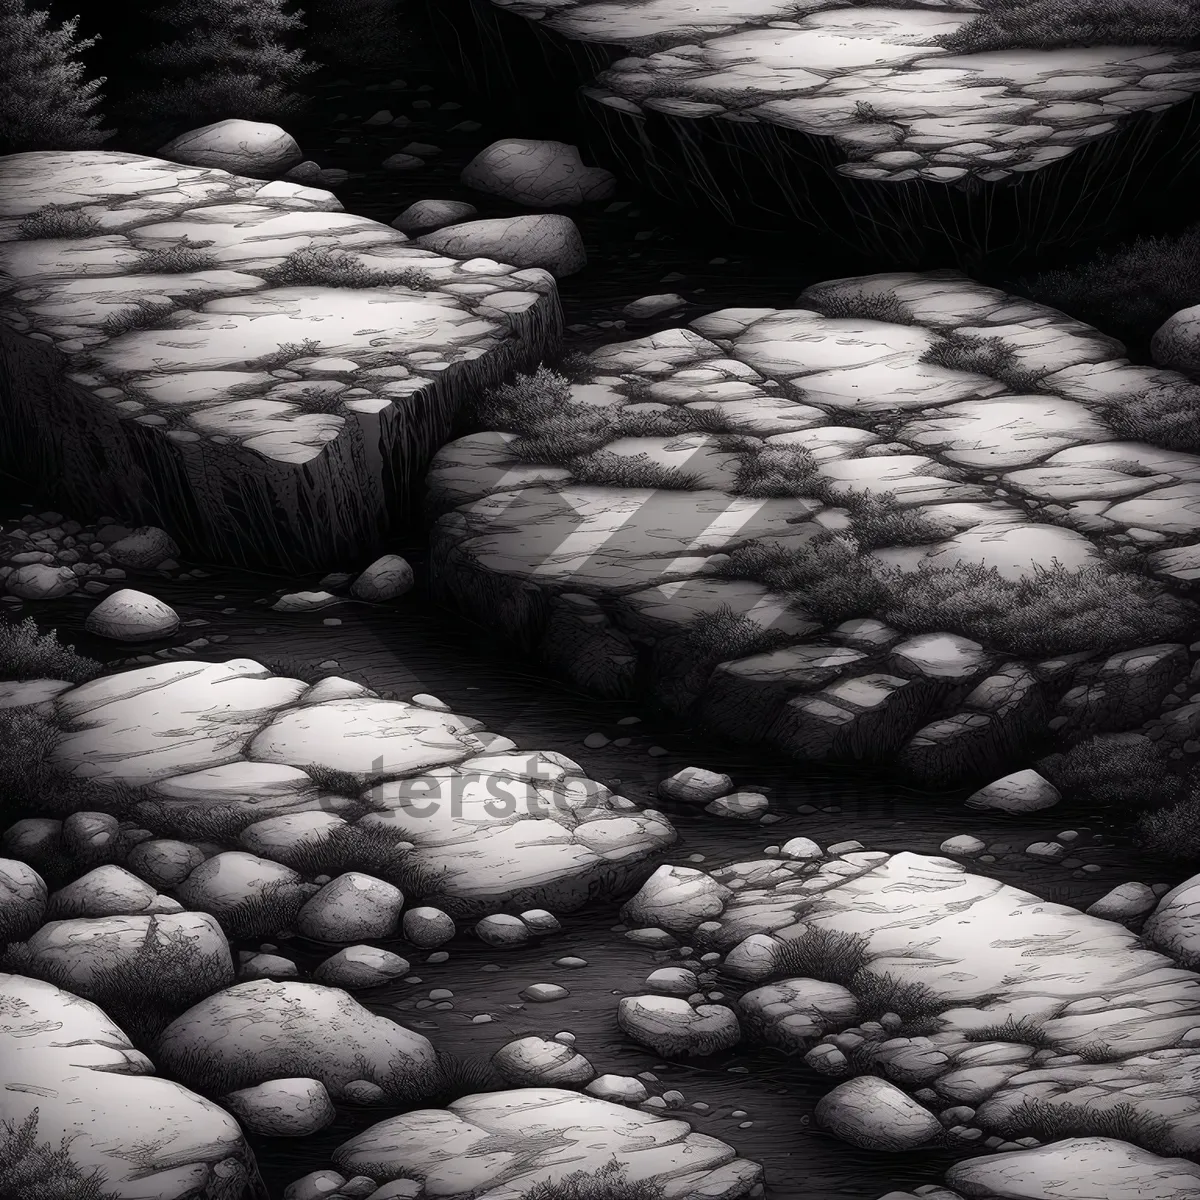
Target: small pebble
(439, 956)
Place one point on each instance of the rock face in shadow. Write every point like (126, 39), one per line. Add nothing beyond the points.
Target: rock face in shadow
(92, 1091)
(240, 362)
(852, 120)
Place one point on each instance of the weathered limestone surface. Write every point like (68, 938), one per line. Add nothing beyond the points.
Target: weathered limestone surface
(1033, 1008)
(856, 120)
(1015, 464)
(501, 1144)
(145, 1136)
(227, 747)
(153, 364)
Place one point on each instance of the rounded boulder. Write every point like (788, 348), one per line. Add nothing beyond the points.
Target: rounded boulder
(387, 578)
(872, 1114)
(132, 616)
(243, 147)
(352, 906)
(283, 1107)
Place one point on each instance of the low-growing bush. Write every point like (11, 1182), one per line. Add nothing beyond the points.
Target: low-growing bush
(286, 353)
(876, 521)
(608, 1183)
(30, 781)
(824, 954)
(141, 314)
(780, 472)
(315, 400)
(327, 266)
(1055, 610)
(144, 994)
(605, 469)
(1052, 1121)
(30, 1168)
(179, 258)
(58, 221)
(1049, 24)
(866, 306)
(369, 849)
(26, 654)
(829, 578)
(990, 356)
(1116, 771)
(266, 913)
(916, 1005)
(1173, 832)
(1128, 291)
(1164, 415)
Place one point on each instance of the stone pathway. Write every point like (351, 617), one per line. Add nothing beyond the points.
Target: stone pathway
(208, 356)
(998, 421)
(871, 78)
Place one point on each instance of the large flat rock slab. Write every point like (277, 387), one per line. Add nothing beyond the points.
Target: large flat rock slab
(1028, 1011)
(500, 1144)
(238, 361)
(218, 747)
(145, 1138)
(941, 429)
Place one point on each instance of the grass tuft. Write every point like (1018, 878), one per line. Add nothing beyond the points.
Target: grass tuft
(990, 356)
(327, 266)
(29, 1168)
(144, 994)
(178, 258)
(608, 1183)
(58, 221)
(604, 469)
(1051, 24)
(824, 954)
(866, 306)
(141, 314)
(26, 654)
(286, 353)
(1052, 1121)
(1166, 415)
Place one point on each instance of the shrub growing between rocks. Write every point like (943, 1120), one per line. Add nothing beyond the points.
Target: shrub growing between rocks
(1051, 1122)
(1048, 24)
(608, 1183)
(26, 654)
(1130, 290)
(990, 356)
(369, 849)
(32, 1168)
(1173, 832)
(604, 469)
(867, 306)
(179, 258)
(1167, 416)
(327, 266)
(144, 994)
(58, 221)
(1116, 772)
(30, 782)
(1053, 611)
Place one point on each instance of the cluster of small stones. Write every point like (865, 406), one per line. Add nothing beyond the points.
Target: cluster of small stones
(874, 80)
(45, 556)
(1017, 479)
(1103, 1021)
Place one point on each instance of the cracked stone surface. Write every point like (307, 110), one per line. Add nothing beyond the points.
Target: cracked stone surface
(1034, 1006)
(494, 824)
(202, 374)
(872, 78)
(1019, 468)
